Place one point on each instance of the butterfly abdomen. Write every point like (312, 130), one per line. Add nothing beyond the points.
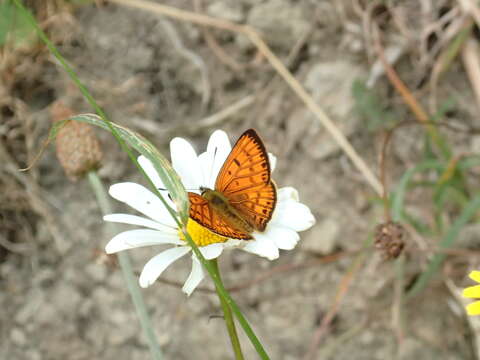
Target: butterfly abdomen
(228, 213)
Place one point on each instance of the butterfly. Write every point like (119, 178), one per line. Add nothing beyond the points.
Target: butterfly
(244, 196)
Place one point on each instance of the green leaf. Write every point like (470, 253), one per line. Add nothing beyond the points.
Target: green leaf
(14, 28)
(468, 212)
(369, 106)
(398, 195)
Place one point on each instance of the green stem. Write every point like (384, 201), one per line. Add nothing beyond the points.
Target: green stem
(227, 313)
(126, 266)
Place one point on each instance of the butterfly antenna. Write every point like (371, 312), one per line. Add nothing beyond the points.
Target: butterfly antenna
(163, 189)
(213, 163)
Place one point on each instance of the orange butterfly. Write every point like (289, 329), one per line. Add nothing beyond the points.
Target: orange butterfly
(244, 196)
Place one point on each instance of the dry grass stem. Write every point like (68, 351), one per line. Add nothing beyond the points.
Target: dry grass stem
(471, 61)
(473, 321)
(35, 196)
(190, 56)
(221, 116)
(294, 84)
(470, 7)
(399, 85)
(332, 312)
(217, 49)
(397, 305)
(463, 28)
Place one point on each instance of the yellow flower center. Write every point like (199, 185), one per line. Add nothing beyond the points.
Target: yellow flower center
(201, 236)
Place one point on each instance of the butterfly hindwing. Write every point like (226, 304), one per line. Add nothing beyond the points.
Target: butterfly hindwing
(205, 215)
(244, 180)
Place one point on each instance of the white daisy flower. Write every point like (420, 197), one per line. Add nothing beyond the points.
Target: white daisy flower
(289, 216)
(161, 229)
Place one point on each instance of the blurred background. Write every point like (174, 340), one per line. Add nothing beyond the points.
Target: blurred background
(334, 296)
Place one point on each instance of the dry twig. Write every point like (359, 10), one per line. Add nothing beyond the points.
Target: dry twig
(192, 57)
(471, 61)
(217, 49)
(332, 312)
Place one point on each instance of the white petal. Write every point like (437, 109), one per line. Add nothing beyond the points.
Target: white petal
(218, 149)
(233, 243)
(293, 215)
(262, 246)
(186, 164)
(273, 161)
(140, 237)
(206, 164)
(284, 238)
(152, 173)
(141, 221)
(211, 251)
(287, 193)
(156, 265)
(195, 277)
(143, 200)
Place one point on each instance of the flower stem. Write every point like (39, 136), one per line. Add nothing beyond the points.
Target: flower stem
(126, 266)
(229, 321)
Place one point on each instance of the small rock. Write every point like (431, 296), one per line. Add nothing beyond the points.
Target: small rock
(322, 238)
(66, 299)
(469, 236)
(280, 23)
(18, 337)
(33, 355)
(47, 313)
(118, 317)
(330, 84)
(139, 354)
(97, 272)
(475, 144)
(125, 328)
(30, 309)
(228, 9)
(86, 307)
(367, 337)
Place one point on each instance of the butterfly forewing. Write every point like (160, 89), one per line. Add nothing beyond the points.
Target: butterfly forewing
(256, 206)
(245, 180)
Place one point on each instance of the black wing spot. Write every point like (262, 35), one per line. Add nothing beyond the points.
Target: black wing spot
(265, 211)
(236, 162)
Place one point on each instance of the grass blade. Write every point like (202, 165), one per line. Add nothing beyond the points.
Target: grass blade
(467, 214)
